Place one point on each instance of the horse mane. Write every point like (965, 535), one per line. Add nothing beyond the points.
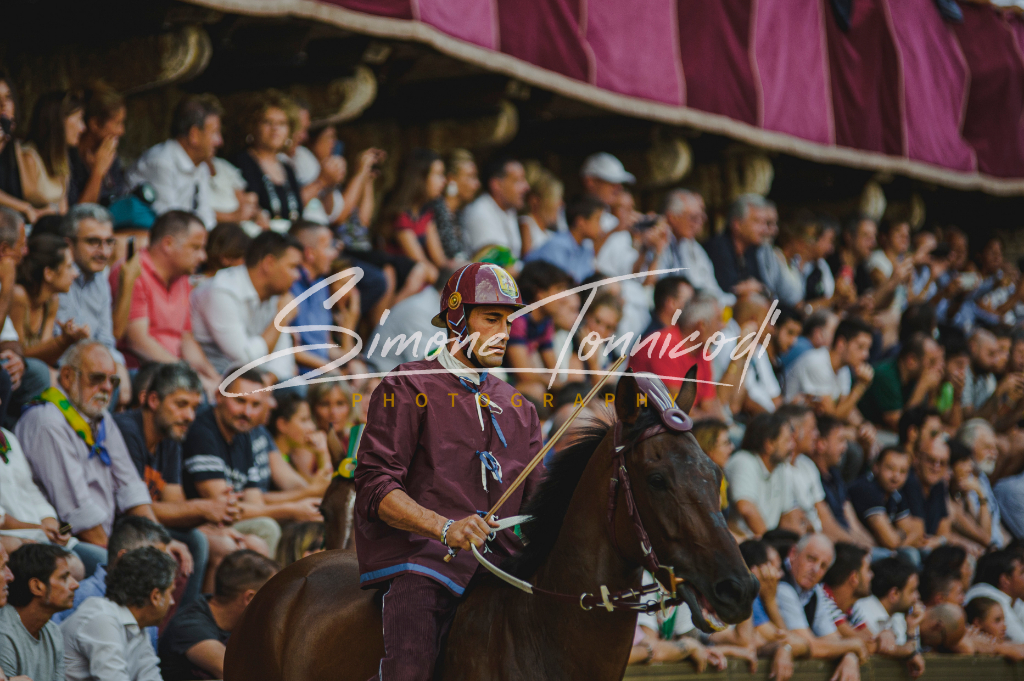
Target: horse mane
(550, 501)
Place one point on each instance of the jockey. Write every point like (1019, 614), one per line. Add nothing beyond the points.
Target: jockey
(438, 451)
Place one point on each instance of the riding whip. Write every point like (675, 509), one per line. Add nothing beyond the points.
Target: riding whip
(551, 443)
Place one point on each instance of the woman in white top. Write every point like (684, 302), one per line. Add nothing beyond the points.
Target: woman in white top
(890, 267)
(43, 161)
(544, 202)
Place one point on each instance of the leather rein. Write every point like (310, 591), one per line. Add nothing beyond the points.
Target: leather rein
(673, 419)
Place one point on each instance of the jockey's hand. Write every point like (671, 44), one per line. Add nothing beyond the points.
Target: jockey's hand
(470, 531)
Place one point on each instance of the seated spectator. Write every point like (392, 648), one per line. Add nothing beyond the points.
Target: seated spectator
(849, 265)
(27, 516)
(97, 175)
(733, 253)
(55, 127)
(318, 255)
(881, 506)
(763, 392)
(890, 268)
(219, 461)
(300, 540)
(808, 611)
(981, 383)
(47, 271)
(178, 169)
(835, 379)
(894, 606)
(973, 509)
(951, 561)
(30, 644)
(846, 582)
(573, 250)
(544, 206)
(153, 434)
(819, 282)
(460, 188)
(1009, 492)
(89, 229)
(671, 295)
(911, 379)
(226, 245)
(10, 177)
(79, 455)
(193, 644)
(1000, 577)
(233, 315)
(777, 265)
(600, 322)
(21, 378)
(700, 320)
(950, 399)
(408, 224)
(491, 219)
(297, 438)
(786, 332)
(926, 491)
(160, 323)
(987, 616)
(530, 342)
(130, 533)
(331, 406)
(105, 639)
(938, 588)
(838, 518)
(760, 483)
(684, 210)
(267, 129)
(807, 490)
(818, 332)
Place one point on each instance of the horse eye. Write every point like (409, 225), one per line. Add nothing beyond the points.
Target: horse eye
(657, 481)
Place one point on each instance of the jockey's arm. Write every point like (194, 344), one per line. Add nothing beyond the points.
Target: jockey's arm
(398, 510)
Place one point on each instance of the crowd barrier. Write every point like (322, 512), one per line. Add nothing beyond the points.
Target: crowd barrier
(937, 668)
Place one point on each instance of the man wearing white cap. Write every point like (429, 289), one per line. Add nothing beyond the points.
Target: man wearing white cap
(603, 176)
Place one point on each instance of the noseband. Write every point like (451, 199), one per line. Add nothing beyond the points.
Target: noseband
(673, 420)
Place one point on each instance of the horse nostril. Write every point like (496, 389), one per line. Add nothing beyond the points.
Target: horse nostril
(730, 590)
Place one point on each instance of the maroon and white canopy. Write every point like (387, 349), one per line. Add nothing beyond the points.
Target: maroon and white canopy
(902, 90)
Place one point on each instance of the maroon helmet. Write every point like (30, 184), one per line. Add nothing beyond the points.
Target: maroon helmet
(475, 284)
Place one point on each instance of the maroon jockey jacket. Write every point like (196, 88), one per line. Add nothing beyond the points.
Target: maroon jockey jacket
(431, 453)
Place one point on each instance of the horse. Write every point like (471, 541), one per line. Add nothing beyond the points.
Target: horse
(591, 531)
(338, 508)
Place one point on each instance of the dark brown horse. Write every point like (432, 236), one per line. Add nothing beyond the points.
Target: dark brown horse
(312, 622)
(337, 507)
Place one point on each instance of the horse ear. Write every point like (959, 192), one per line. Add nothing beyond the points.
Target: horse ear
(687, 391)
(627, 408)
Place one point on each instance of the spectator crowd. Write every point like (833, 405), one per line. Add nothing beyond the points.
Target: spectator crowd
(872, 450)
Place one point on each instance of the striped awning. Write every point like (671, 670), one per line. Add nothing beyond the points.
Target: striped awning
(899, 90)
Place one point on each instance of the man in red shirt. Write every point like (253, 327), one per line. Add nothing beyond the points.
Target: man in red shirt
(159, 320)
(671, 352)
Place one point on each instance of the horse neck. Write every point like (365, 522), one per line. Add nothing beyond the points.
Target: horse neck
(584, 556)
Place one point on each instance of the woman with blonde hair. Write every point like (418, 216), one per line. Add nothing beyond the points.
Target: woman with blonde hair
(331, 405)
(268, 129)
(56, 126)
(461, 188)
(544, 203)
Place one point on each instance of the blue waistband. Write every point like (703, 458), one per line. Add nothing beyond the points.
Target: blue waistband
(411, 567)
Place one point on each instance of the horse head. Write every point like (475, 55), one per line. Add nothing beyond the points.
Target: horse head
(677, 491)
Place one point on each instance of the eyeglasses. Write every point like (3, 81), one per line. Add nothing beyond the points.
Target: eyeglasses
(932, 462)
(98, 378)
(96, 242)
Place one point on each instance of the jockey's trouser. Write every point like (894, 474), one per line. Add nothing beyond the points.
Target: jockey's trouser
(417, 613)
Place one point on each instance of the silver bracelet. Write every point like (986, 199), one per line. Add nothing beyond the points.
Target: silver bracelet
(444, 537)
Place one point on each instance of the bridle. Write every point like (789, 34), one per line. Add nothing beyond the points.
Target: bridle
(673, 420)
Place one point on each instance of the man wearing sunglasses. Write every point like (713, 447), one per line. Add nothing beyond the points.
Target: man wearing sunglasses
(78, 453)
(926, 491)
(90, 231)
